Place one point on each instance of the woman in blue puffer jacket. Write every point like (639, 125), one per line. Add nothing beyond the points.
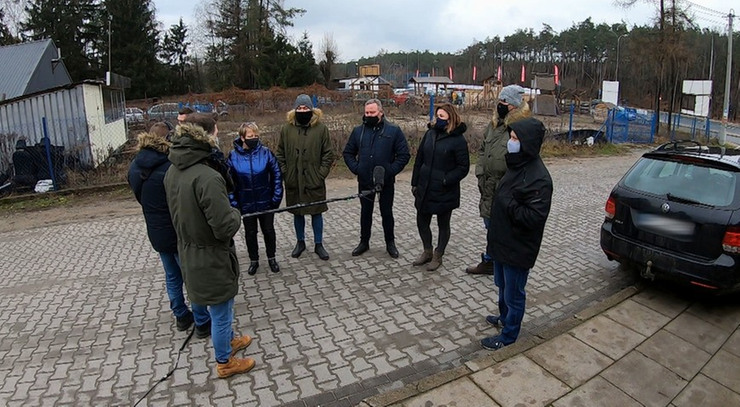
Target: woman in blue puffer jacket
(257, 187)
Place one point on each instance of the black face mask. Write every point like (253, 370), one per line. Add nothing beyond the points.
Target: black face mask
(502, 110)
(251, 143)
(371, 121)
(303, 118)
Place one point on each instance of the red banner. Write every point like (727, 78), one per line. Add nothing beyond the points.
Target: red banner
(498, 76)
(557, 75)
(450, 73)
(523, 73)
(475, 72)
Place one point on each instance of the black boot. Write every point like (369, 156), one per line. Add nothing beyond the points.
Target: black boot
(361, 248)
(300, 246)
(319, 249)
(273, 265)
(253, 266)
(390, 247)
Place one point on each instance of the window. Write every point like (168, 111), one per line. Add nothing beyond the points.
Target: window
(114, 104)
(703, 184)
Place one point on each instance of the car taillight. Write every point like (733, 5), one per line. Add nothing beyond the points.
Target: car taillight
(731, 241)
(610, 208)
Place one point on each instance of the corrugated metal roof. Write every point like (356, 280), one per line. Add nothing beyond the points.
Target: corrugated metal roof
(432, 79)
(17, 64)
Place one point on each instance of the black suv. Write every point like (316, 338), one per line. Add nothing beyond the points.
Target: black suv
(676, 215)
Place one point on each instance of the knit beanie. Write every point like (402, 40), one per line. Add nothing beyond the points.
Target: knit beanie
(303, 100)
(512, 95)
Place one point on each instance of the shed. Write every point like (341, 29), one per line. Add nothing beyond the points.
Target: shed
(421, 83)
(31, 67)
(86, 118)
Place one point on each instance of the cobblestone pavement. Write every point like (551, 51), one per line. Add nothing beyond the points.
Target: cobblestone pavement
(85, 321)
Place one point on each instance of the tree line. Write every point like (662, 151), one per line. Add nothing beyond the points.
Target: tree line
(243, 43)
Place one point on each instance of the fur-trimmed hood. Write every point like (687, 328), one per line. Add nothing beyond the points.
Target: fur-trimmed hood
(154, 142)
(515, 115)
(315, 119)
(190, 145)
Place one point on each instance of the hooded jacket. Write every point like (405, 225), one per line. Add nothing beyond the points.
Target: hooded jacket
(146, 178)
(305, 157)
(491, 165)
(204, 220)
(383, 145)
(442, 161)
(522, 202)
(257, 180)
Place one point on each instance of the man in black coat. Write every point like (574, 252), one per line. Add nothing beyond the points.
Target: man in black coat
(376, 142)
(518, 218)
(146, 178)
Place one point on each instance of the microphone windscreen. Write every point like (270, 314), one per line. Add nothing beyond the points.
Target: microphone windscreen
(379, 176)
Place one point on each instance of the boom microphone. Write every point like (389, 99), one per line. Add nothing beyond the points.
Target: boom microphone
(378, 178)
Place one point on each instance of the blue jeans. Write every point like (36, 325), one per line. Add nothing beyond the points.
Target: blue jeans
(222, 316)
(487, 224)
(317, 224)
(173, 282)
(510, 281)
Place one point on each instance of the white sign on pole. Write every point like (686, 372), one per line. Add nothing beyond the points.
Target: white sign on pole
(610, 92)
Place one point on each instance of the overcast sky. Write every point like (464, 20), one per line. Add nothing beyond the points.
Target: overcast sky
(363, 28)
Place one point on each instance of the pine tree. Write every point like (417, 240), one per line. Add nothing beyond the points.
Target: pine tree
(174, 53)
(70, 24)
(134, 45)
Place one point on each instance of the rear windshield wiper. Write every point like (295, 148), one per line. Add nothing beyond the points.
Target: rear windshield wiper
(680, 199)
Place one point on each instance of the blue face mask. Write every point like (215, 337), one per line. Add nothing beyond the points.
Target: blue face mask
(513, 146)
(441, 124)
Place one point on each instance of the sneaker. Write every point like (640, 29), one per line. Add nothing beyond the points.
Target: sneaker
(184, 322)
(495, 320)
(234, 366)
(492, 343)
(203, 331)
(239, 343)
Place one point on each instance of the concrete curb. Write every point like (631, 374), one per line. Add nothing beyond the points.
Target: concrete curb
(436, 380)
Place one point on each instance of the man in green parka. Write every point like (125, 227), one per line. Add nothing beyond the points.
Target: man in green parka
(305, 156)
(491, 165)
(205, 224)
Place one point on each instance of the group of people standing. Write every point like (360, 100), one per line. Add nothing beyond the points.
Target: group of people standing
(194, 199)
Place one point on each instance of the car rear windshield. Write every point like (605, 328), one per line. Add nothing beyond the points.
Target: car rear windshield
(684, 180)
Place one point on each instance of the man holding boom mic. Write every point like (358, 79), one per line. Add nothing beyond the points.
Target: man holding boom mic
(376, 143)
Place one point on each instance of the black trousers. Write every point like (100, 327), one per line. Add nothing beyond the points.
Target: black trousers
(424, 221)
(386, 212)
(267, 224)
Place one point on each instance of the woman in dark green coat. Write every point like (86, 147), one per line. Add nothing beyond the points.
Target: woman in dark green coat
(305, 156)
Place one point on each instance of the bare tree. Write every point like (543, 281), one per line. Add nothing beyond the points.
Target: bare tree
(15, 13)
(329, 55)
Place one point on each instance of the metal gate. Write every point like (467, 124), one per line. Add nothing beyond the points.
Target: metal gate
(630, 126)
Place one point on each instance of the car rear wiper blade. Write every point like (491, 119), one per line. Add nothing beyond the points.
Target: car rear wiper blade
(680, 199)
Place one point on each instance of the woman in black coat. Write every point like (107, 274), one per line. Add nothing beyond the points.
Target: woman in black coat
(442, 161)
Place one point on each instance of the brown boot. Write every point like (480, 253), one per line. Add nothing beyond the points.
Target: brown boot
(436, 261)
(234, 366)
(484, 267)
(239, 343)
(424, 258)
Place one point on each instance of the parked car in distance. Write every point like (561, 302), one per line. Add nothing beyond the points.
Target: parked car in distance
(163, 112)
(675, 215)
(134, 116)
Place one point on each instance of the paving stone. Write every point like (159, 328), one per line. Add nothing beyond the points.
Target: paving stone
(703, 391)
(608, 337)
(733, 344)
(668, 305)
(569, 359)
(698, 332)
(461, 392)
(638, 317)
(644, 379)
(674, 353)
(519, 381)
(724, 368)
(596, 392)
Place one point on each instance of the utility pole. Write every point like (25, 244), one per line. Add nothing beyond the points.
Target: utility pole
(110, 68)
(726, 106)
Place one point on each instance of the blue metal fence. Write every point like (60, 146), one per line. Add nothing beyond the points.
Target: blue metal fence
(625, 126)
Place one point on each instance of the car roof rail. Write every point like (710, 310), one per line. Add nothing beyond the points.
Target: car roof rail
(681, 145)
